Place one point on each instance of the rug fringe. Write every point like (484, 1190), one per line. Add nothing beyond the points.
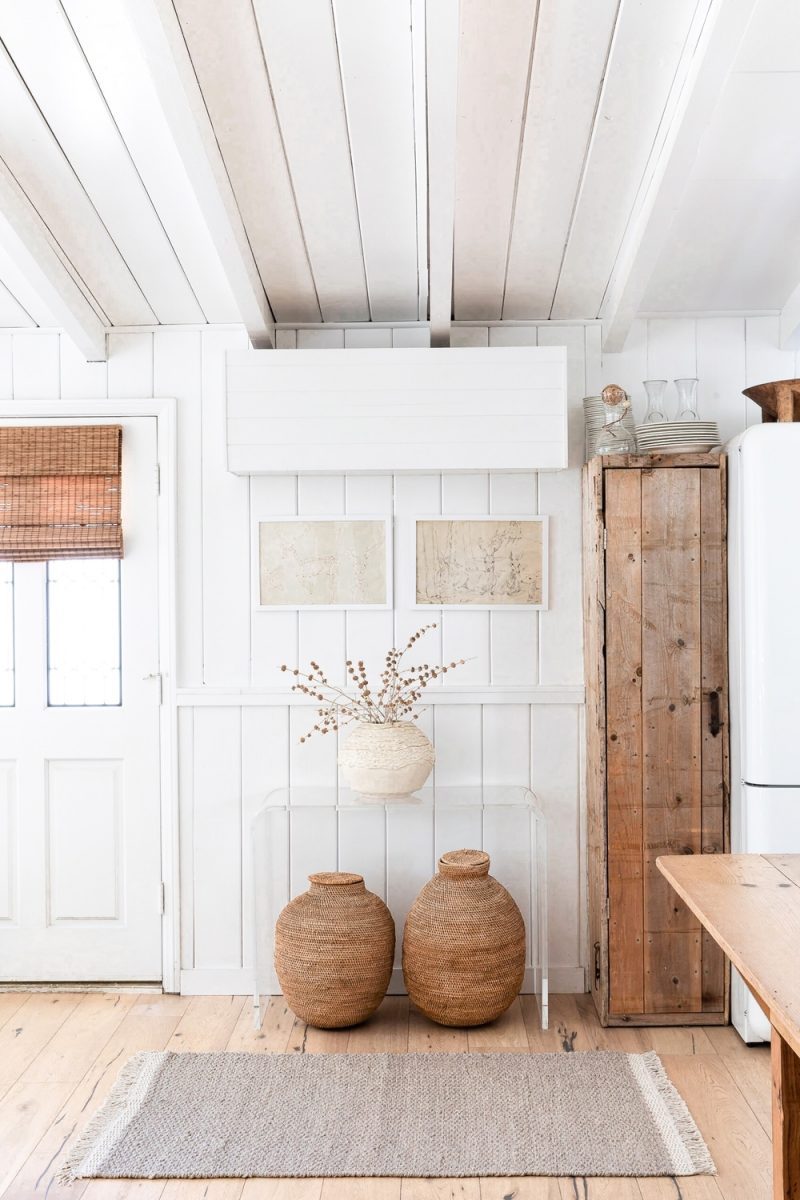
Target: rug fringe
(683, 1120)
(119, 1108)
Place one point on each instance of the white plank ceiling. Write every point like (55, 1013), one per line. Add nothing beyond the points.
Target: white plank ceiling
(257, 161)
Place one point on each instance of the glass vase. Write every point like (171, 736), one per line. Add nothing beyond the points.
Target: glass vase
(687, 399)
(615, 437)
(656, 409)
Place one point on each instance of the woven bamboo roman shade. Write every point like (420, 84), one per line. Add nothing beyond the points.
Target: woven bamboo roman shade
(60, 492)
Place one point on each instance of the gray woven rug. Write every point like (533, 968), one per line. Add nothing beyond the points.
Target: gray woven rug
(241, 1115)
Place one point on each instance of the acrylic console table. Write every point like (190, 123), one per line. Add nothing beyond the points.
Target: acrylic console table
(396, 848)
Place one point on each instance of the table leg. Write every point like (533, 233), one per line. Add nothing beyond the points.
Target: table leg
(785, 1120)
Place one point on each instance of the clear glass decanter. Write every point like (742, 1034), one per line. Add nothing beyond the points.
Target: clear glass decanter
(687, 399)
(656, 409)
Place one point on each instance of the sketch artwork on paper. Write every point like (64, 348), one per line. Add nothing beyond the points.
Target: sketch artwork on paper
(323, 562)
(481, 562)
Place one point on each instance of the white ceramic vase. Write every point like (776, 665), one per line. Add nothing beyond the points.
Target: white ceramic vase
(386, 762)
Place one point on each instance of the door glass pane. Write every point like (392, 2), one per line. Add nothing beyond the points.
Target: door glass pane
(6, 634)
(83, 632)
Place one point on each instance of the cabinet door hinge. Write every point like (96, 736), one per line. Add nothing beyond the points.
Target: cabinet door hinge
(605, 537)
(597, 964)
(162, 898)
(158, 479)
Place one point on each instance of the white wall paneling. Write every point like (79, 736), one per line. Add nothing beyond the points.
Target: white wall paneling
(726, 353)
(407, 409)
(516, 715)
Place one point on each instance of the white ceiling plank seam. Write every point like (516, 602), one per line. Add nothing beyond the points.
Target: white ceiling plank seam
(649, 42)
(711, 50)
(442, 29)
(224, 45)
(164, 48)
(375, 55)
(69, 95)
(494, 71)
(26, 240)
(301, 61)
(281, 141)
(570, 56)
(418, 76)
(114, 58)
(517, 168)
(34, 156)
(51, 60)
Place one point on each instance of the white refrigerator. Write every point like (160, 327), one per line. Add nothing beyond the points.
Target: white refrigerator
(764, 635)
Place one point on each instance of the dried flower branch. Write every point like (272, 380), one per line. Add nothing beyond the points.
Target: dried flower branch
(401, 688)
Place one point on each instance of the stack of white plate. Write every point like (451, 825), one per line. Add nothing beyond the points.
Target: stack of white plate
(594, 415)
(675, 437)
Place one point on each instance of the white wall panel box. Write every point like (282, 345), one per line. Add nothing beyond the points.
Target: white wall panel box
(492, 408)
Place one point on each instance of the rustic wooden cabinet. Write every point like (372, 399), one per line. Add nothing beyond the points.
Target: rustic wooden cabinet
(657, 728)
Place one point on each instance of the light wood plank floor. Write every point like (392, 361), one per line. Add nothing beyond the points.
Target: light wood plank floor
(60, 1054)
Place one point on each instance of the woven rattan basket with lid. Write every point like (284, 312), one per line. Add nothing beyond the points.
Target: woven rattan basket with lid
(464, 943)
(334, 948)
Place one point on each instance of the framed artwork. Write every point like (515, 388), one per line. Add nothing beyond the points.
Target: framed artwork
(480, 562)
(322, 562)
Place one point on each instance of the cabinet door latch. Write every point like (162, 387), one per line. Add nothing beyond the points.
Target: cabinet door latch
(597, 964)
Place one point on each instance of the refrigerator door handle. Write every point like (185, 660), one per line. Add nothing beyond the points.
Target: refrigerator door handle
(714, 719)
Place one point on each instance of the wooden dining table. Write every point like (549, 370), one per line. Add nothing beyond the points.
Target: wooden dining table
(750, 905)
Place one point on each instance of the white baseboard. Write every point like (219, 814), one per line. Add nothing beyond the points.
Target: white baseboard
(221, 981)
(217, 981)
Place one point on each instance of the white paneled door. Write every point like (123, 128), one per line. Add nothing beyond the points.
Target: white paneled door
(80, 803)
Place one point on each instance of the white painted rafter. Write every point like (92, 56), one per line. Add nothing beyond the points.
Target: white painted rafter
(27, 242)
(708, 56)
(790, 322)
(157, 26)
(442, 25)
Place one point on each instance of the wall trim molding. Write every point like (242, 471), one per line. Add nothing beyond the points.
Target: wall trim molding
(256, 697)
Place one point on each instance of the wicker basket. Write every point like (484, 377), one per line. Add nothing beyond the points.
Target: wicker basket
(334, 949)
(464, 943)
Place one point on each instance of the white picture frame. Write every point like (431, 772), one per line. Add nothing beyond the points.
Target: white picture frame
(302, 544)
(539, 548)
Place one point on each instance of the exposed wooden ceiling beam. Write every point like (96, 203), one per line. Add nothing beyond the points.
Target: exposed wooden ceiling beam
(159, 32)
(441, 28)
(27, 242)
(708, 56)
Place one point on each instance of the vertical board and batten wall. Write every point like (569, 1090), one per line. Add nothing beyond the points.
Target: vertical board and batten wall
(514, 715)
(237, 734)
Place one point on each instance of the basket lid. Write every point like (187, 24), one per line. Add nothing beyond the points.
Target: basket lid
(464, 864)
(336, 879)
